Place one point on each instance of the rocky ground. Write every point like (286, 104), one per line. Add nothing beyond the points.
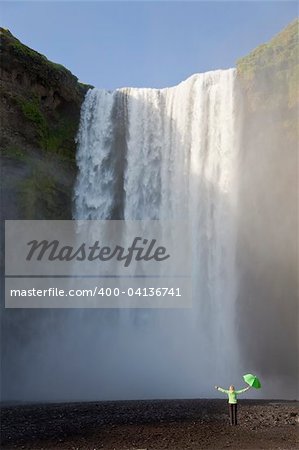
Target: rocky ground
(164, 424)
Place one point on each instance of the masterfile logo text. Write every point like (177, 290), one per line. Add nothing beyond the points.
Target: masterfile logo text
(111, 264)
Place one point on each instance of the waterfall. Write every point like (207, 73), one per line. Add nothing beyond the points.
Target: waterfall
(170, 154)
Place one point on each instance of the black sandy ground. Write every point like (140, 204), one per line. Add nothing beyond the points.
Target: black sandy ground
(157, 424)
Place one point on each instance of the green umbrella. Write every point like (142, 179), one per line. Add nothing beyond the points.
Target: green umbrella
(252, 380)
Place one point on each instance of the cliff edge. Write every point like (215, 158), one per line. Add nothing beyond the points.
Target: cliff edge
(39, 113)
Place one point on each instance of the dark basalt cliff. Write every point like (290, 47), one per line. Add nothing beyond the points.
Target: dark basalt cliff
(39, 113)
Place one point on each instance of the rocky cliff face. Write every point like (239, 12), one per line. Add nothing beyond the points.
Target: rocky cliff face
(268, 221)
(40, 111)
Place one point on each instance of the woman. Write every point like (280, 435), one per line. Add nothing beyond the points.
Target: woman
(232, 401)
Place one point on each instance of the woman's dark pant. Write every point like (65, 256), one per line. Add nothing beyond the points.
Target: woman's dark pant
(233, 413)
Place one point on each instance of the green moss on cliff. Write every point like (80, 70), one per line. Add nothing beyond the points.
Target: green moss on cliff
(274, 64)
(281, 50)
(46, 99)
(14, 153)
(60, 140)
(40, 104)
(36, 189)
(55, 136)
(32, 112)
(43, 195)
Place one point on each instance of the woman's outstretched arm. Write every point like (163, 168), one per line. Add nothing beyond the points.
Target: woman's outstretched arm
(221, 389)
(240, 391)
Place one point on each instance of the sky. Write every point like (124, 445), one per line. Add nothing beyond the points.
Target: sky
(144, 43)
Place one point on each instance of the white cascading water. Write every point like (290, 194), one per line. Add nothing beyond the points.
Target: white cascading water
(168, 154)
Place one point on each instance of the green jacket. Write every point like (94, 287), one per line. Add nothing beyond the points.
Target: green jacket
(232, 395)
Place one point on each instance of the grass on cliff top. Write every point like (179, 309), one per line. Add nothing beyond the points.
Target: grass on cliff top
(270, 73)
(281, 50)
(22, 51)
